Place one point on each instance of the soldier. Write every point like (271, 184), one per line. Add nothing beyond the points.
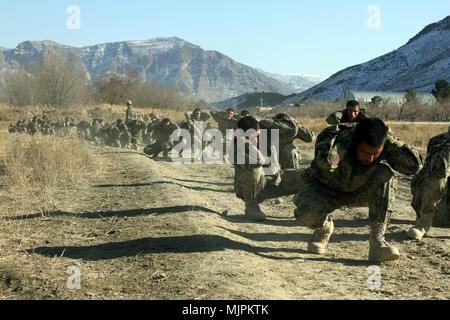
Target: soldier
(46, 129)
(161, 131)
(289, 129)
(118, 135)
(96, 132)
(225, 119)
(244, 113)
(196, 115)
(347, 171)
(32, 126)
(353, 113)
(83, 131)
(251, 183)
(130, 113)
(430, 188)
(136, 128)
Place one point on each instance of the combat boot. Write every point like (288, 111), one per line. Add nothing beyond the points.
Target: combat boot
(423, 225)
(321, 236)
(253, 212)
(380, 250)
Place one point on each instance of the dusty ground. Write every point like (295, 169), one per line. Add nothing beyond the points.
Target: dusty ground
(155, 230)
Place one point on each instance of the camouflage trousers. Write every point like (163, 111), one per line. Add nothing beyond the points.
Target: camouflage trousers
(253, 187)
(432, 195)
(156, 148)
(317, 200)
(289, 157)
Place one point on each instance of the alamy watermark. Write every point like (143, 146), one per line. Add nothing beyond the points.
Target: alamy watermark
(74, 280)
(74, 20)
(373, 282)
(374, 20)
(234, 149)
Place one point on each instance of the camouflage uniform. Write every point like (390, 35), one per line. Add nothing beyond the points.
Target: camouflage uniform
(253, 186)
(288, 131)
(32, 126)
(342, 117)
(118, 136)
(339, 179)
(430, 187)
(83, 131)
(136, 130)
(46, 129)
(162, 137)
(223, 122)
(191, 127)
(96, 132)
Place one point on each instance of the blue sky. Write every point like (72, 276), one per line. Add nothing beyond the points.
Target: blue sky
(283, 36)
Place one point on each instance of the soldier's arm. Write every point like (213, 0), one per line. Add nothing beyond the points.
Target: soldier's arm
(440, 162)
(401, 157)
(305, 134)
(217, 115)
(205, 116)
(334, 118)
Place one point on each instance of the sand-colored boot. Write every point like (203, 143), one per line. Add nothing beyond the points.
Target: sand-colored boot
(321, 236)
(254, 212)
(422, 226)
(380, 250)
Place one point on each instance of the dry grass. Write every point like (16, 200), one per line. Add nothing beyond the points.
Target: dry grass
(34, 170)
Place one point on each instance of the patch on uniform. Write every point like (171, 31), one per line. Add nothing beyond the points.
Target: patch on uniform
(334, 159)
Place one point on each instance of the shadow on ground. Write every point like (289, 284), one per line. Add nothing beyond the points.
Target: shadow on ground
(118, 214)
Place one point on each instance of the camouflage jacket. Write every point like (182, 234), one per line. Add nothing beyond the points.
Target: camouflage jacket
(336, 165)
(159, 133)
(203, 116)
(223, 122)
(288, 130)
(136, 130)
(342, 117)
(116, 130)
(438, 155)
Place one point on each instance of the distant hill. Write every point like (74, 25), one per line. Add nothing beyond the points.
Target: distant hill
(295, 83)
(249, 100)
(207, 75)
(418, 64)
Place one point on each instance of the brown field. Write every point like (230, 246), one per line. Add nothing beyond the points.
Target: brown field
(139, 228)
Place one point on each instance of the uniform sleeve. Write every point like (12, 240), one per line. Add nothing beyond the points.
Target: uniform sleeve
(205, 116)
(305, 134)
(334, 118)
(439, 156)
(401, 157)
(217, 115)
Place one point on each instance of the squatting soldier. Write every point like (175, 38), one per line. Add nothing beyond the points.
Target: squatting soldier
(289, 129)
(251, 183)
(347, 171)
(161, 132)
(225, 119)
(136, 128)
(118, 135)
(46, 129)
(189, 124)
(32, 126)
(96, 132)
(430, 188)
(353, 113)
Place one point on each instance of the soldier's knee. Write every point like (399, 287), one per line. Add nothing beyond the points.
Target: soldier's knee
(306, 215)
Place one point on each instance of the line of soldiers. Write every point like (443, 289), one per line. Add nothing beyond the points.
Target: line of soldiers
(354, 165)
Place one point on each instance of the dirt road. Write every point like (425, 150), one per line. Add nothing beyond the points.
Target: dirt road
(156, 230)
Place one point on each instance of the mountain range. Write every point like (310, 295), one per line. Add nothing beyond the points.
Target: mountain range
(208, 75)
(418, 64)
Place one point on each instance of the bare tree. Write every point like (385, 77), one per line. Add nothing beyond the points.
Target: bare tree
(17, 89)
(59, 81)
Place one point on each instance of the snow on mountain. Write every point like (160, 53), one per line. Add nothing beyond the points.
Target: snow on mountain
(207, 75)
(296, 83)
(418, 65)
